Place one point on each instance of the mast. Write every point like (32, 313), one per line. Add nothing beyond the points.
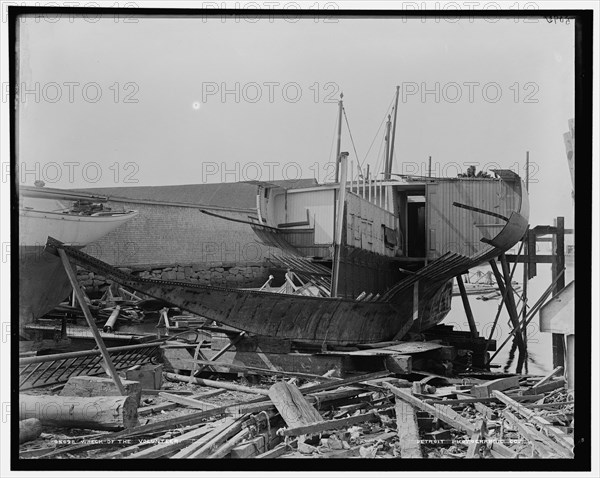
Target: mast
(339, 224)
(339, 138)
(388, 125)
(389, 166)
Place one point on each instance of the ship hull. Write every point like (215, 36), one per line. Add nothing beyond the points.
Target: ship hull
(314, 320)
(415, 304)
(43, 282)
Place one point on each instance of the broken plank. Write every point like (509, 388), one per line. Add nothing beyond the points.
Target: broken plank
(550, 405)
(487, 412)
(470, 401)
(225, 433)
(474, 444)
(172, 405)
(250, 448)
(196, 354)
(231, 444)
(532, 434)
(188, 402)
(216, 384)
(321, 426)
(561, 437)
(162, 449)
(548, 377)
(400, 347)
(546, 387)
(408, 430)
(444, 413)
(484, 390)
(292, 406)
(214, 432)
(156, 408)
(360, 402)
(264, 371)
(147, 391)
(317, 363)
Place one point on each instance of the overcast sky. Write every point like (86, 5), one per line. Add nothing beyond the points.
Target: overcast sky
(495, 90)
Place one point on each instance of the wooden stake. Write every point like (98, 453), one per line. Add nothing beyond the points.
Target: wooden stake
(90, 320)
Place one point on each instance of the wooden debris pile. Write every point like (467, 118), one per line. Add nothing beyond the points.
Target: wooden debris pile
(298, 415)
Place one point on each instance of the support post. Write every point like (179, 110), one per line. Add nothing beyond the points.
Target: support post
(90, 320)
(339, 224)
(526, 268)
(467, 306)
(506, 291)
(525, 279)
(558, 264)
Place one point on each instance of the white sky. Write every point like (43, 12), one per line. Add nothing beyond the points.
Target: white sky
(178, 133)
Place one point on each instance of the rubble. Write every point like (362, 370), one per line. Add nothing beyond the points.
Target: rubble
(232, 410)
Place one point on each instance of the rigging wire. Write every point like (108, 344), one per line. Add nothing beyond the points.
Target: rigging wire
(333, 137)
(380, 125)
(379, 158)
(352, 141)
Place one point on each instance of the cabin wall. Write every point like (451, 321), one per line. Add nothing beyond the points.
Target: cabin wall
(364, 225)
(319, 204)
(450, 228)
